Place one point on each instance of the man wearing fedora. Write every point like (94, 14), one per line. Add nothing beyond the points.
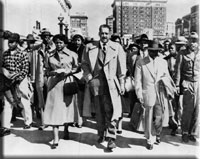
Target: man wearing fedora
(42, 63)
(15, 66)
(33, 45)
(148, 72)
(143, 44)
(187, 77)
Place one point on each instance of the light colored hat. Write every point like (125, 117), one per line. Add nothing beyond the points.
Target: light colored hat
(194, 35)
(181, 40)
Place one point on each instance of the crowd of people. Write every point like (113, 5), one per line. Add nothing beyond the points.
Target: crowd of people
(62, 82)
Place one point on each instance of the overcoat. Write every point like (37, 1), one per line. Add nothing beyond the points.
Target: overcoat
(58, 108)
(114, 69)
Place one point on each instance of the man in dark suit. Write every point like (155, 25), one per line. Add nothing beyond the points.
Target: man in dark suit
(104, 66)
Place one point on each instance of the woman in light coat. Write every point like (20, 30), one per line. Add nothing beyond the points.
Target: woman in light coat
(59, 109)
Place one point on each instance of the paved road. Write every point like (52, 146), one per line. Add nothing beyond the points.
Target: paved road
(83, 143)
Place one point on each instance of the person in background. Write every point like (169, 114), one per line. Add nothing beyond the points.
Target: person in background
(166, 47)
(187, 76)
(15, 66)
(132, 56)
(104, 67)
(77, 45)
(60, 109)
(173, 104)
(42, 65)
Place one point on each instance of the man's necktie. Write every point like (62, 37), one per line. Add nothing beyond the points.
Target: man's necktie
(104, 52)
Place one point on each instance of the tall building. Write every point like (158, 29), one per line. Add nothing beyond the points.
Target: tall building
(188, 23)
(137, 16)
(79, 22)
(170, 29)
(109, 21)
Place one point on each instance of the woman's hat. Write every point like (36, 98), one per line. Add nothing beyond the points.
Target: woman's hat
(154, 45)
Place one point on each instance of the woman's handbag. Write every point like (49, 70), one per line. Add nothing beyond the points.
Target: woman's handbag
(129, 84)
(70, 88)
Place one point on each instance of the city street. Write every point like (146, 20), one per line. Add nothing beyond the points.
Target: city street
(83, 142)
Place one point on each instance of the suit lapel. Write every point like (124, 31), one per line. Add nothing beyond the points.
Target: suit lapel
(93, 53)
(111, 52)
(150, 67)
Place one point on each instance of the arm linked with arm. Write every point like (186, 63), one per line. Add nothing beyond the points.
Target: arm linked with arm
(85, 65)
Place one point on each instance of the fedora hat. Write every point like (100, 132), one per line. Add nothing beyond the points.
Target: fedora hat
(194, 35)
(181, 40)
(154, 45)
(45, 32)
(143, 37)
(30, 37)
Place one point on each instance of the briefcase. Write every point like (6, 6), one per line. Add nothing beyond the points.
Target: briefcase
(137, 117)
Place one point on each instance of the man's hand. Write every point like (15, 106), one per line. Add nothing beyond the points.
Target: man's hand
(122, 89)
(177, 90)
(141, 100)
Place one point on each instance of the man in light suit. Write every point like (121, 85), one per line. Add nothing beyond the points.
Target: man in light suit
(148, 72)
(104, 66)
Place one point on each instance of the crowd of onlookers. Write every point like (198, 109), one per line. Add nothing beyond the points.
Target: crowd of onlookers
(106, 79)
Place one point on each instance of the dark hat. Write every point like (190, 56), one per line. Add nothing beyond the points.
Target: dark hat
(143, 37)
(7, 34)
(133, 45)
(155, 45)
(14, 37)
(45, 32)
(30, 37)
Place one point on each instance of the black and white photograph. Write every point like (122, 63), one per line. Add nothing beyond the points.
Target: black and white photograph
(99, 79)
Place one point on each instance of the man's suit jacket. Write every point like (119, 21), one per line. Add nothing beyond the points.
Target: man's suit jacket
(114, 69)
(147, 74)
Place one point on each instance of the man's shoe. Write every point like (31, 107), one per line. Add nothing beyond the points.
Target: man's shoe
(172, 123)
(111, 144)
(4, 132)
(42, 127)
(101, 139)
(192, 138)
(27, 126)
(158, 139)
(173, 133)
(185, 138)
(149, 146)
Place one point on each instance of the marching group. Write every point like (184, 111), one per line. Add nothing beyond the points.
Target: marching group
(62, 81)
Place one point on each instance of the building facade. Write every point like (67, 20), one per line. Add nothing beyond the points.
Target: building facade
(79, 22)
(136, 16)
(170, 29)
(188, 23)
(109, 21)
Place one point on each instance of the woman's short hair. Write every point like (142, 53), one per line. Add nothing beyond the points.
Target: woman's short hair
(60, 37)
